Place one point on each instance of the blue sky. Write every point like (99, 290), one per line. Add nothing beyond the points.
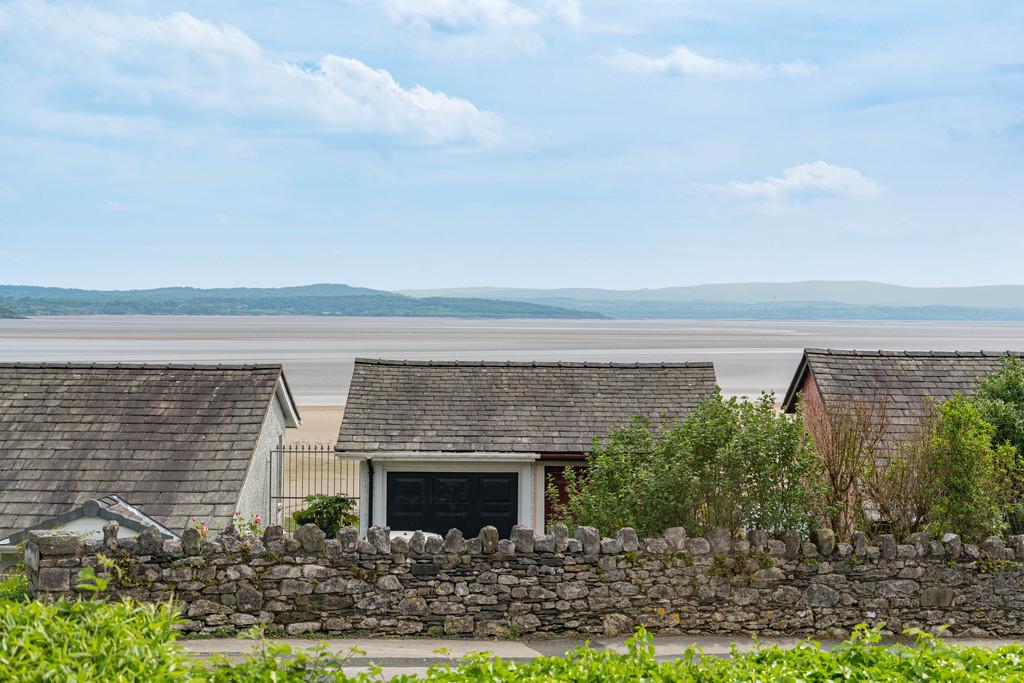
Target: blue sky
(430, 143)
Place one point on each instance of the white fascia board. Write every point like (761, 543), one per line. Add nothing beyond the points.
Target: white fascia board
(291, 415)
(432, 456)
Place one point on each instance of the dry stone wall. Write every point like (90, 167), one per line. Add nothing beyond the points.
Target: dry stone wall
(552, 585)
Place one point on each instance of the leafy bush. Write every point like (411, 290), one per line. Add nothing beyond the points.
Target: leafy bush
(14, 585)
(732, 463)
(88, 641)
(974, 480)
(92, 641)
(330, 513)
(1000, 397)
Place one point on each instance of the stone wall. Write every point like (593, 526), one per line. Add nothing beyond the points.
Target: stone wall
(551, 585)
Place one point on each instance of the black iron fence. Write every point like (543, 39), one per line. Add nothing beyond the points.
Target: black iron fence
(300, 470)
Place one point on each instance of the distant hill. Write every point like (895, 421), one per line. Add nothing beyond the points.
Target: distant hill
(320, 299)
(811, 300)
(8, 313)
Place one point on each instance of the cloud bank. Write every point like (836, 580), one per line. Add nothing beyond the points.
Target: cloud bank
(682, 61)
(814, 178)
(191, 62)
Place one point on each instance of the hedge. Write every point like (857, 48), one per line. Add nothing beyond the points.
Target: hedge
(85, 641)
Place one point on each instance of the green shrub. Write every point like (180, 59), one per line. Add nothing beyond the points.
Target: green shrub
(92, 641)
(330, 513)
(14, 584)
(88, 641)
(734, 464)
(974, 480)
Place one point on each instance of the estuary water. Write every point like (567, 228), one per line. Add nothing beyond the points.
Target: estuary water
(317, 352)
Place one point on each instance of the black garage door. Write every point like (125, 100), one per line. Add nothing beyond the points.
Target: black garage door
(439, 501)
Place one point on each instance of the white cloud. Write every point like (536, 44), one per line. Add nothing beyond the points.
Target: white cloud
(458, 14)
(567, 10)
(682, 61)
(114, 206)
(220, 68)
(814, 178)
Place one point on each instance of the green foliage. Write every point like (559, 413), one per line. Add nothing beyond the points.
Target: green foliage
(974, 480)
(92, 641)
(89, 641)
(1000, 398)
(735, 464)
(14, 585)
(330, 513)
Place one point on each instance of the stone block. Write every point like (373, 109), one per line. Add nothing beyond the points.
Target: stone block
(589, 537)
(110, 532)
(348, 537)
(820, 595)
(719, 539)
(629, 539)
(825, 540)
(454, 542)
(53, 580)
(274, 533)
(860, 543)
(418, 543)
(151, 541)
(300, 627)
(380, 538)
(758, 541)
(312, 539)
(792, 541)
(937, 596)
(191, 541)
(51, 543)
(1017, 545)
(675, 537)
(523, 537)
(31, 556)
(433, 544)
(560, 533)
(698, 546)
(488, 540)
(993, 547)
(611, 546)
(458, 624)
(887, 546)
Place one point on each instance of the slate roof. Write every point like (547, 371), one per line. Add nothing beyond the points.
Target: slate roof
(907, 379)
(509, 407)
(174, 440)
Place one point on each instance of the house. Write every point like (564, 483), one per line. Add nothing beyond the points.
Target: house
(466, 444)
(84, 443)
(907, 380)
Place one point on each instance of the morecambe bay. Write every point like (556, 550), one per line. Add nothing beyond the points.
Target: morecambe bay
(317, 352)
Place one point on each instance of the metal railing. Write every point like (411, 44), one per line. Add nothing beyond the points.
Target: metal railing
(300, 470)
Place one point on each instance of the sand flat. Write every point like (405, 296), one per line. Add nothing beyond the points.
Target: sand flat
(317, 353)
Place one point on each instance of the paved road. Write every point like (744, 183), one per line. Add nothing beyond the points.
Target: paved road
(413, 655)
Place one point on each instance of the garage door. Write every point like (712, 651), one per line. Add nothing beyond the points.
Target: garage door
(439, 501)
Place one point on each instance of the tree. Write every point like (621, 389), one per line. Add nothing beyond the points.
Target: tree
(974, 481)
(731, 463)
(848, 440)
(1000, 397)
(901, 488)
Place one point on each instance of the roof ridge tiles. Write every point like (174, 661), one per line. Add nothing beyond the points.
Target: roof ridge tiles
(86, 365)
(531, 364)
(911, 354)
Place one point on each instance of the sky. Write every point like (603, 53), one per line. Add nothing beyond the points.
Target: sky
(529, 143)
